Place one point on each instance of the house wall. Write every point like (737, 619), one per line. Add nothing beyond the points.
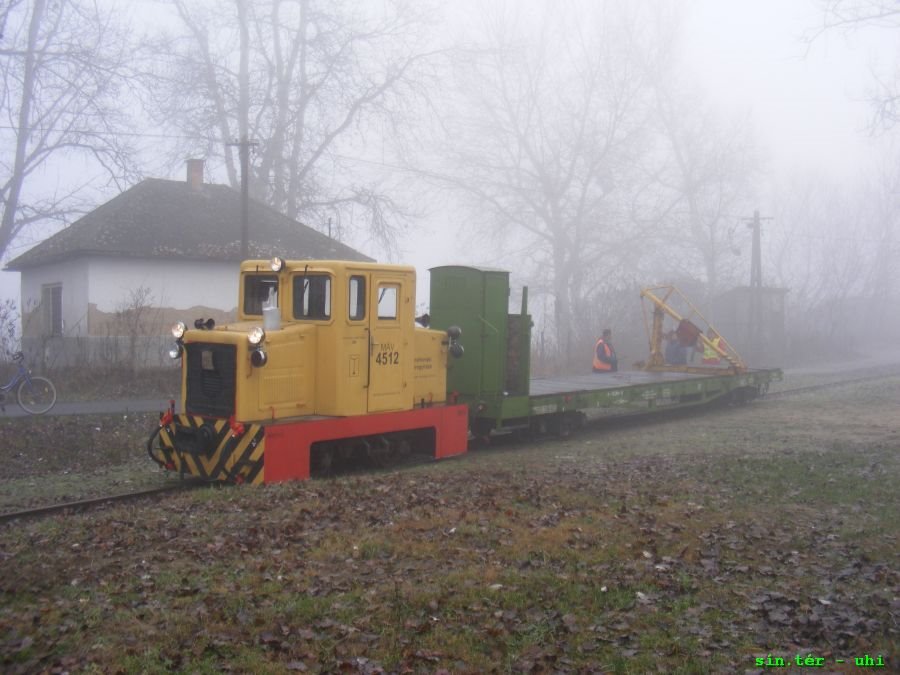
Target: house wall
(120, 310)
(73, 275)
(175, 284)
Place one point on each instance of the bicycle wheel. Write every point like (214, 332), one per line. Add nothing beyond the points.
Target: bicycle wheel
(36, 396)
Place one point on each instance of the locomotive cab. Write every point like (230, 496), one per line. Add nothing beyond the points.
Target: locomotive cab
(323, 338)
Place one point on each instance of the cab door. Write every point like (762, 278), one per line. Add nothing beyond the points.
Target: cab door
(390, 340)
(352, 366)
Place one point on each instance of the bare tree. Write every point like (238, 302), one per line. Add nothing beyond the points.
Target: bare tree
(136, 317)
(320, 77)
(878, 201)
(546, 142)
(820, 249)
(852, 15)
(881, 202)
(709, 171)
(62, 67)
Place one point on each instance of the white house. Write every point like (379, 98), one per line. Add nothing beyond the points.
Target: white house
(109, 285)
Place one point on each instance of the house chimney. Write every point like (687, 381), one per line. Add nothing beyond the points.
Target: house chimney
(195, 174)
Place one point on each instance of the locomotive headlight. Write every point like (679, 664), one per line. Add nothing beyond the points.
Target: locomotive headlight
(277, 264)
(256, 335)
(258, 358)
(175, 351)
(178, 330)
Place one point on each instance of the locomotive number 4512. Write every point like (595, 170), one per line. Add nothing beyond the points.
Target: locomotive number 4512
(387, 358)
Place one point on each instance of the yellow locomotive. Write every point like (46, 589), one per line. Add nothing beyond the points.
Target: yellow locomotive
(324, 355)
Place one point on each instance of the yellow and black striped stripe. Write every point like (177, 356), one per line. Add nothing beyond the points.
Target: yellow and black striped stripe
(235, 459)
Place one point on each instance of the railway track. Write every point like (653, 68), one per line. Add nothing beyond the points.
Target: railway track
(187, 484)
(872, 377)
(85, 504)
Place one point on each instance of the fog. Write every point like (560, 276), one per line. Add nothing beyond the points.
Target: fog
(591, 148)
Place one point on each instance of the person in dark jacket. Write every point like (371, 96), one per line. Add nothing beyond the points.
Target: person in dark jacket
(605, 360)
(676, 353)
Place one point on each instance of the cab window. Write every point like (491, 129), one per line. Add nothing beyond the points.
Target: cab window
(312, 296)
(258, 290)
(357, 298)
(387, 301)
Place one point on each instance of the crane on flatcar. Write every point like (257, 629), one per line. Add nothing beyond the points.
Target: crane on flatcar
(687, 333)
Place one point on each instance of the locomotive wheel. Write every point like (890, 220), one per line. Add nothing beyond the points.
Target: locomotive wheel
(380, 451)
(323, 458)
(384, 451)
(377, 449)
(402, 449)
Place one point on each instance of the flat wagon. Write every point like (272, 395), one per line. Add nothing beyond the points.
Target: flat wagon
(494, 379)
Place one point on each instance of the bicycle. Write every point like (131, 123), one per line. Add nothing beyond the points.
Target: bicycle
(34, 393)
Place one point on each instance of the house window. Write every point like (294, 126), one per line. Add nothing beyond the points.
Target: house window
(51, 302)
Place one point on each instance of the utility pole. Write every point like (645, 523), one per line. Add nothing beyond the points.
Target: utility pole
(244, 152)
(244, 123)
(756, 259)
(755, 319)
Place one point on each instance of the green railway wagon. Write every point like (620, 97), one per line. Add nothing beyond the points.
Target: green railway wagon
(494, 378)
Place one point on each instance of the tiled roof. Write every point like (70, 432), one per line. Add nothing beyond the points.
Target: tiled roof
(167, 219)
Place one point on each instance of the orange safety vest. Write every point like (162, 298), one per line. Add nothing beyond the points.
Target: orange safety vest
(609, 352)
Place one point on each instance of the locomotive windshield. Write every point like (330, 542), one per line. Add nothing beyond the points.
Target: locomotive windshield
(312, 296)
(256, 291)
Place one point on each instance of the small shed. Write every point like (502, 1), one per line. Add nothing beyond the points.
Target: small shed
(753, 324)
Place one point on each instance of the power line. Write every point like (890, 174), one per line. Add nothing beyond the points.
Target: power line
(844, 240)
(211, 139)
(134, 134)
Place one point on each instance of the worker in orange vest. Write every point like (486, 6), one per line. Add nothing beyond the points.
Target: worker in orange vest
(605, 360)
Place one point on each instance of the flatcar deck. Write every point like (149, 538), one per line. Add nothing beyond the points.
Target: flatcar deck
(631, 391)
(547, 386)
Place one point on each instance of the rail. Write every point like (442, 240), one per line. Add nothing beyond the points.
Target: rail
(85, 504)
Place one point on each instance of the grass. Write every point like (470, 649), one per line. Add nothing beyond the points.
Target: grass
(689, 546)
(53, 459)
(98, 384)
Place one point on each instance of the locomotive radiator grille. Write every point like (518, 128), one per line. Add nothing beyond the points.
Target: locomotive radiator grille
(229, 458)
(210, 379)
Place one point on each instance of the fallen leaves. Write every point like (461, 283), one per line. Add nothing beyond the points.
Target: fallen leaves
(563, 561)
